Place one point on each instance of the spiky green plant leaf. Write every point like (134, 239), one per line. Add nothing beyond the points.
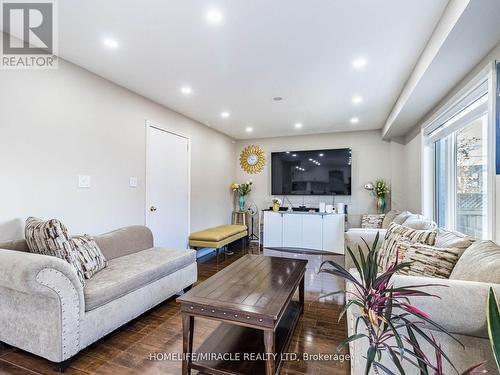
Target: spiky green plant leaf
(493, 318)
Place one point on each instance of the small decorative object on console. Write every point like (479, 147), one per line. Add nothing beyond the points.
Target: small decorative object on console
(276, 204)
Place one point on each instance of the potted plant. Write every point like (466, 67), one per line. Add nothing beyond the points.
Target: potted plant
(243, 190)
(276, 204)
(387, 319)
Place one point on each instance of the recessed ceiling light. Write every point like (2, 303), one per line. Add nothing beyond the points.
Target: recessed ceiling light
(278, 98)
(249, 129)
(186, 90)
(298, 125)
(214, 16)
(224, 114)
(110, 43)
(321, 155)
(354, 120)
(294, 154)
(287, 152)
(357, 99)
(359, 62)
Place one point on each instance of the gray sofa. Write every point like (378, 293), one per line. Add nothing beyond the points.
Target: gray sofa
(460, 308)
(45, 310)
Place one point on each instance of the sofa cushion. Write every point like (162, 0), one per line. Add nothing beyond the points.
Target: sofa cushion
(51, 238)
(480, 262)
(219, 233)
(88, 255)
(372, 221)
(419, 222)
(389, 218)
(448, 238)
(427, 261)
(124, 241)
(396, 233)
(134, 271)
(18, 245)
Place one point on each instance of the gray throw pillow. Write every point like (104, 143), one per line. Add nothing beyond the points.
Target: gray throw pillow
(448, 238)
(419, 222)
(480, 262)
(401, 218)
(389, 218)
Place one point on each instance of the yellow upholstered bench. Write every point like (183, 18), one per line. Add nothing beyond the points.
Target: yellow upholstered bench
(218, 237)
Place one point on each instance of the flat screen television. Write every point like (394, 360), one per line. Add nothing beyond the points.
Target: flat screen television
(316, 172)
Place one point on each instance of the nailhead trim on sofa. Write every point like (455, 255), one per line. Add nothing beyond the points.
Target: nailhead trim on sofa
(70, 309)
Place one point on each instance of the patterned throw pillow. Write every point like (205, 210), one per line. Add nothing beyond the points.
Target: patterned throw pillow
(89, 255)
(372, 221)
(51, 238)
(396, 233)
(428, 261)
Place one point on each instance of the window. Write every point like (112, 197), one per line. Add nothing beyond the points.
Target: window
(461, 170)
(458, 142)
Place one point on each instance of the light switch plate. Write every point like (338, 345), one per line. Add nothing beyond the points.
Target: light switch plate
(83, 181)
(132, 182)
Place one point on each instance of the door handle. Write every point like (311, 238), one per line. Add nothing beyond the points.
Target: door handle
(152, 208)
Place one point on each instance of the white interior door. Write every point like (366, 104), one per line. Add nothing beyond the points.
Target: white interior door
(168, 188)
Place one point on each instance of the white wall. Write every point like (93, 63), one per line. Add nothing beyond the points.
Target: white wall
(412, 174)
(57, 124)
(371, 159)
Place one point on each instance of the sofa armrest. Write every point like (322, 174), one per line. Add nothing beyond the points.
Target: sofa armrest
(42, 295)
(23, 271)
(460, 306)
(354, 237)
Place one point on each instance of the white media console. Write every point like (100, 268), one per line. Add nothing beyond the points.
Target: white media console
(305, 230)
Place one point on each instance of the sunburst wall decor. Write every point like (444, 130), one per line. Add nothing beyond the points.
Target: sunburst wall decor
(252, 159)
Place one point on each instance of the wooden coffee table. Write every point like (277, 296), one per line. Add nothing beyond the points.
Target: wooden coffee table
(253, 299)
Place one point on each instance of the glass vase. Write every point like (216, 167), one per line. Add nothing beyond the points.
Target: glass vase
(242, 202)
(381, 205)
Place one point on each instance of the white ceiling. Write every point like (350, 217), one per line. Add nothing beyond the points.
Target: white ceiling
(298, 49)
(474, 34)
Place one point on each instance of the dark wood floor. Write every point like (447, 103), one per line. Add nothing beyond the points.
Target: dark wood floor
(128, 350)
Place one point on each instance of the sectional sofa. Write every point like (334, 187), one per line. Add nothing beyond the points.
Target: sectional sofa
(461, 304)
